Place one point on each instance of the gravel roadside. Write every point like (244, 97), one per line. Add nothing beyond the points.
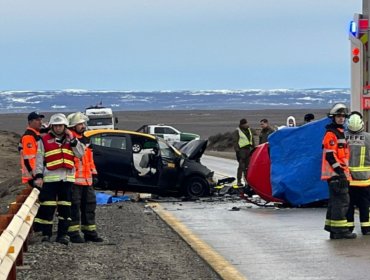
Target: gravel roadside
(138, 245)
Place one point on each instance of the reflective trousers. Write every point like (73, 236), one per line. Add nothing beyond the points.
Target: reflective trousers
(83, 211)
(54, 196)
(336, 215)
(359, 196)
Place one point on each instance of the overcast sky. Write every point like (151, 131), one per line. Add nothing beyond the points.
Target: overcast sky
(174, 44)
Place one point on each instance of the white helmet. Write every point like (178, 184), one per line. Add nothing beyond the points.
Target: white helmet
(76, 118)
(338, 109)
(355, 123)
(58, 119)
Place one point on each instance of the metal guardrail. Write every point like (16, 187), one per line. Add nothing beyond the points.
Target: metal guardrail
(14, 228)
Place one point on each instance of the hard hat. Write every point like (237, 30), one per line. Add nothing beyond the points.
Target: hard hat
(76, 118)
(338, 109)
(355, 123)
(290, 121)
(58, 119)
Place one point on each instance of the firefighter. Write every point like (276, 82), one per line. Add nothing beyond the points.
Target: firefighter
(55, 174)
(359, 165)
(83, 194)
(335, 171)
(243, 145)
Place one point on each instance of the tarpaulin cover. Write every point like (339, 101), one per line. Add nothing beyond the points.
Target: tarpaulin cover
(258, 176)
(103, 198)
(296, 154)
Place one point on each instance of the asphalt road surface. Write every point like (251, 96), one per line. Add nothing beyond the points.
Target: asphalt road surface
(272, 243)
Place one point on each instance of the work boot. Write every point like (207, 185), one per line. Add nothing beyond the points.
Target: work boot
(366, 233)
(63, 239)
(46, 238)
(76, 239)
(93, 238)
(344, 235)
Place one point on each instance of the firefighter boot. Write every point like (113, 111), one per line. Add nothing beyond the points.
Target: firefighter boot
(344, 235)
(77, 238)
(93, 238)
(63, 239)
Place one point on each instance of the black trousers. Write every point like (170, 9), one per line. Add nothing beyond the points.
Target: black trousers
(336, 215)
(243, 157)
(359, 196)
(54, 196)
(83, 211)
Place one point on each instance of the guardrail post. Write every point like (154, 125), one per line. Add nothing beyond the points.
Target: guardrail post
(5, 221)
(14, 207)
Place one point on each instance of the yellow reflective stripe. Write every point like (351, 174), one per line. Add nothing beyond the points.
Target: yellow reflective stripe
(49, 203)
(362, 156)
(54, 162)
(336, 223)
(73, 228)
(360, 183)
(88, 228)
(64, 203)
(62, 218)
(52, 152)
(359, 169)
(70, 162)
(67, 151)
(350, 224)
(365, 224)
(41, 221)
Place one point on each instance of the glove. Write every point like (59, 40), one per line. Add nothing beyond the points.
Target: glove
(339, 185)
(343, 184)
(95, 180)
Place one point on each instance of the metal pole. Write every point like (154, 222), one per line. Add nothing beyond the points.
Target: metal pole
(365, 8)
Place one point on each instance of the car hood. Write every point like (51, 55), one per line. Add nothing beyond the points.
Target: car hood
(194, 149)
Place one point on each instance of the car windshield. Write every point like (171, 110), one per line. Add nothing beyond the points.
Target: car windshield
(167, 150)
(99, 121)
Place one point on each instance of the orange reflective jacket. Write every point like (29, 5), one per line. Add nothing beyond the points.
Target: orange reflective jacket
(28, 149)
(334, 142)
(85, 166)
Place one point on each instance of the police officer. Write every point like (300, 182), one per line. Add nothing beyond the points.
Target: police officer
(335, 171)
(55, 174)
(359, 165)
(243, 145)
(83, 194)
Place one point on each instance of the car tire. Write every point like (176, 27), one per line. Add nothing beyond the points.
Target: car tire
(136, 148)
(196, 187)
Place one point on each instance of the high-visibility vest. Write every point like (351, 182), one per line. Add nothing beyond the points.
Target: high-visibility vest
(57, 155)
(243, 139)
(85, 166)
(27, 148)
(359, 162)
(335, 142)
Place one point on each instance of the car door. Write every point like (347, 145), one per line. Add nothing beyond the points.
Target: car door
(169, 171)
(167, 133)
(113, 158)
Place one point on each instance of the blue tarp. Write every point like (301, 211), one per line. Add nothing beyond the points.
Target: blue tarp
(296, 154)
(103, 198)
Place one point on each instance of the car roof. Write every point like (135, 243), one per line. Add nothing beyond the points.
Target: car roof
(89, 133)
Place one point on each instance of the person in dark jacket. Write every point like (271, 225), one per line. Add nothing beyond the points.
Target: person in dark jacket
(243, 145)
(266, 130)
(309, 118)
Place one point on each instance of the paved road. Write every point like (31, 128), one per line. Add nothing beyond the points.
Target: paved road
(269, 243)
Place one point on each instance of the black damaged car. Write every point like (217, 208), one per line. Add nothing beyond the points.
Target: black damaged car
(139, 162)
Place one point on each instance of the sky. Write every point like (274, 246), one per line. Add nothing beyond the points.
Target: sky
(175, 44)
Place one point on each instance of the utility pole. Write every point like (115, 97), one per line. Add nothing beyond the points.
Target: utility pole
(360, 86)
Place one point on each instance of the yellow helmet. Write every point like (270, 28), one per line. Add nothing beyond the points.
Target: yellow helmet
(355, 123)
(76, 118)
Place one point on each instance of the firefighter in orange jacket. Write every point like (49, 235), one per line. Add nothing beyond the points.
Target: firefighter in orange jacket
(83, 194)
(335, 170)
(55, 174)
(28, 147)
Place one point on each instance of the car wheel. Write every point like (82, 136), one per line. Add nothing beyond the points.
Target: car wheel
(136, 148)
(196, 187)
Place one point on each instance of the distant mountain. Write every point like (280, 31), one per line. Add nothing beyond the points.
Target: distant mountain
(78, 100)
